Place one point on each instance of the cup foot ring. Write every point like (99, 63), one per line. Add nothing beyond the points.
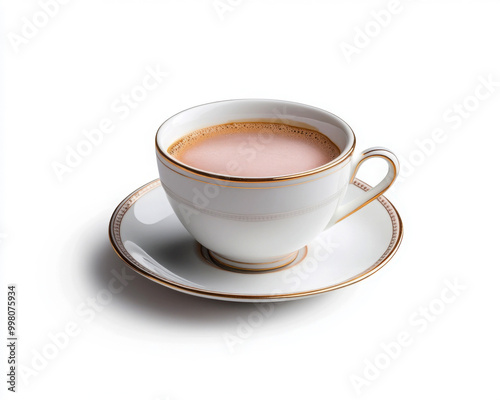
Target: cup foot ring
(253, 268)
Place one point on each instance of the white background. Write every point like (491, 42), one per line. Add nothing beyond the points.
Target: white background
(152, 343)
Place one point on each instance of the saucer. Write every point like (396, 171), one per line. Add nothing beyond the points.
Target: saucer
(146, 234)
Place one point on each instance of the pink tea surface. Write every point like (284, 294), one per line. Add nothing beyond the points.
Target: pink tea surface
(254, 149)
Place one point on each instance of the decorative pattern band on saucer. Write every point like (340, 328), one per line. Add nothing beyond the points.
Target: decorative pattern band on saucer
(388, 248)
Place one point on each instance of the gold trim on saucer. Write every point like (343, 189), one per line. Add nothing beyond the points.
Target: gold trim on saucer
(121, 251)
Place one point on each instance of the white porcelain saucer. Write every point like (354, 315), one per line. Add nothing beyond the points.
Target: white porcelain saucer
(147, 235)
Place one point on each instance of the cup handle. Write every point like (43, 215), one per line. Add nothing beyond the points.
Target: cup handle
(344, 210)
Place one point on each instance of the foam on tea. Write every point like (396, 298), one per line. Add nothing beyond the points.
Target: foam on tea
(254, 149)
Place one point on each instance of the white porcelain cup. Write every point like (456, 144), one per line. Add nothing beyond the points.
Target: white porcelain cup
(259, 224)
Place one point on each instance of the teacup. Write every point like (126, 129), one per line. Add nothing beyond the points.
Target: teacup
(254, 223)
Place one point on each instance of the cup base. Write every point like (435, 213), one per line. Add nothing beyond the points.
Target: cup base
(240, 266)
